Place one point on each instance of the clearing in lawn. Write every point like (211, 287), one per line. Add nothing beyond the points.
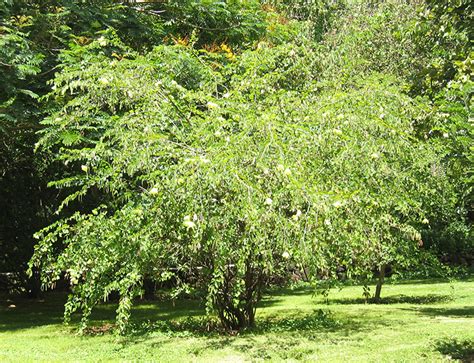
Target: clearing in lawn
(416, 321)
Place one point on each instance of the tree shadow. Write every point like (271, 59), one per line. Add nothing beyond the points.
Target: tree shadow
(143, 309)
(460, 312)
(462, 350)
(318, 321)
(290, 290)
(394, 299)
(429, 281)
(152, 322)
(187, 316)
(275, 329)
(18, 313)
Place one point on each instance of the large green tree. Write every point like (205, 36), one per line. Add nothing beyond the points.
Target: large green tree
(216, 144)
(216, 173)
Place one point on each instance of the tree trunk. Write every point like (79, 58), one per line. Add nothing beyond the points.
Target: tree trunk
(34, 285)
(241, 315)
(149, 289)
(380, 282)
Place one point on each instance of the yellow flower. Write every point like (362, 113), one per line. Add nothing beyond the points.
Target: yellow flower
(228, 51)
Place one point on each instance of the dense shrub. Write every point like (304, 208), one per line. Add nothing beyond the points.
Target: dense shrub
(215, 145)
(225, 174)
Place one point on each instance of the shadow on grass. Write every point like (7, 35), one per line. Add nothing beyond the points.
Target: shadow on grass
(395, 299)
(151, 310)
(430, 281)
(462, 350)
(187, 317)
(464, 312)
(308, 325)
(152, 322)
(319, 319)
(179, 316)
(203, 325)
(17, 313)
(282, 333)
(293, 291)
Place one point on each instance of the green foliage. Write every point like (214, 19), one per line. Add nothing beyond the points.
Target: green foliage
(427, 48)
(239, 23)
(443, 33)
(31, 35)
(19, 214)
(217, 175)
(316, 16)
(214, 146)
(18, 62)
(456, 349)
(366, 39)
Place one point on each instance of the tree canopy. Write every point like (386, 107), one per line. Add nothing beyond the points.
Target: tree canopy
(214, 145)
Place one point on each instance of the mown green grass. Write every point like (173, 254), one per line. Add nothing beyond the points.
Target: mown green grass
(417, 321)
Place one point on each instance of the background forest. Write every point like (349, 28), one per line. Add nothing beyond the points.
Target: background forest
(218, 148)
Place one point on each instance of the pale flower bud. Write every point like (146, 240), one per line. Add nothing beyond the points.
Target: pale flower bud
(212, 105)
(337, 204)
(188, 223)
(297, 215)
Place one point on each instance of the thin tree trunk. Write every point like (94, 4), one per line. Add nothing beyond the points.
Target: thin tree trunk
(380, 282)
(34, 285)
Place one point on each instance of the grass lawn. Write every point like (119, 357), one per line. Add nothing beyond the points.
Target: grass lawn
(418, 321)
